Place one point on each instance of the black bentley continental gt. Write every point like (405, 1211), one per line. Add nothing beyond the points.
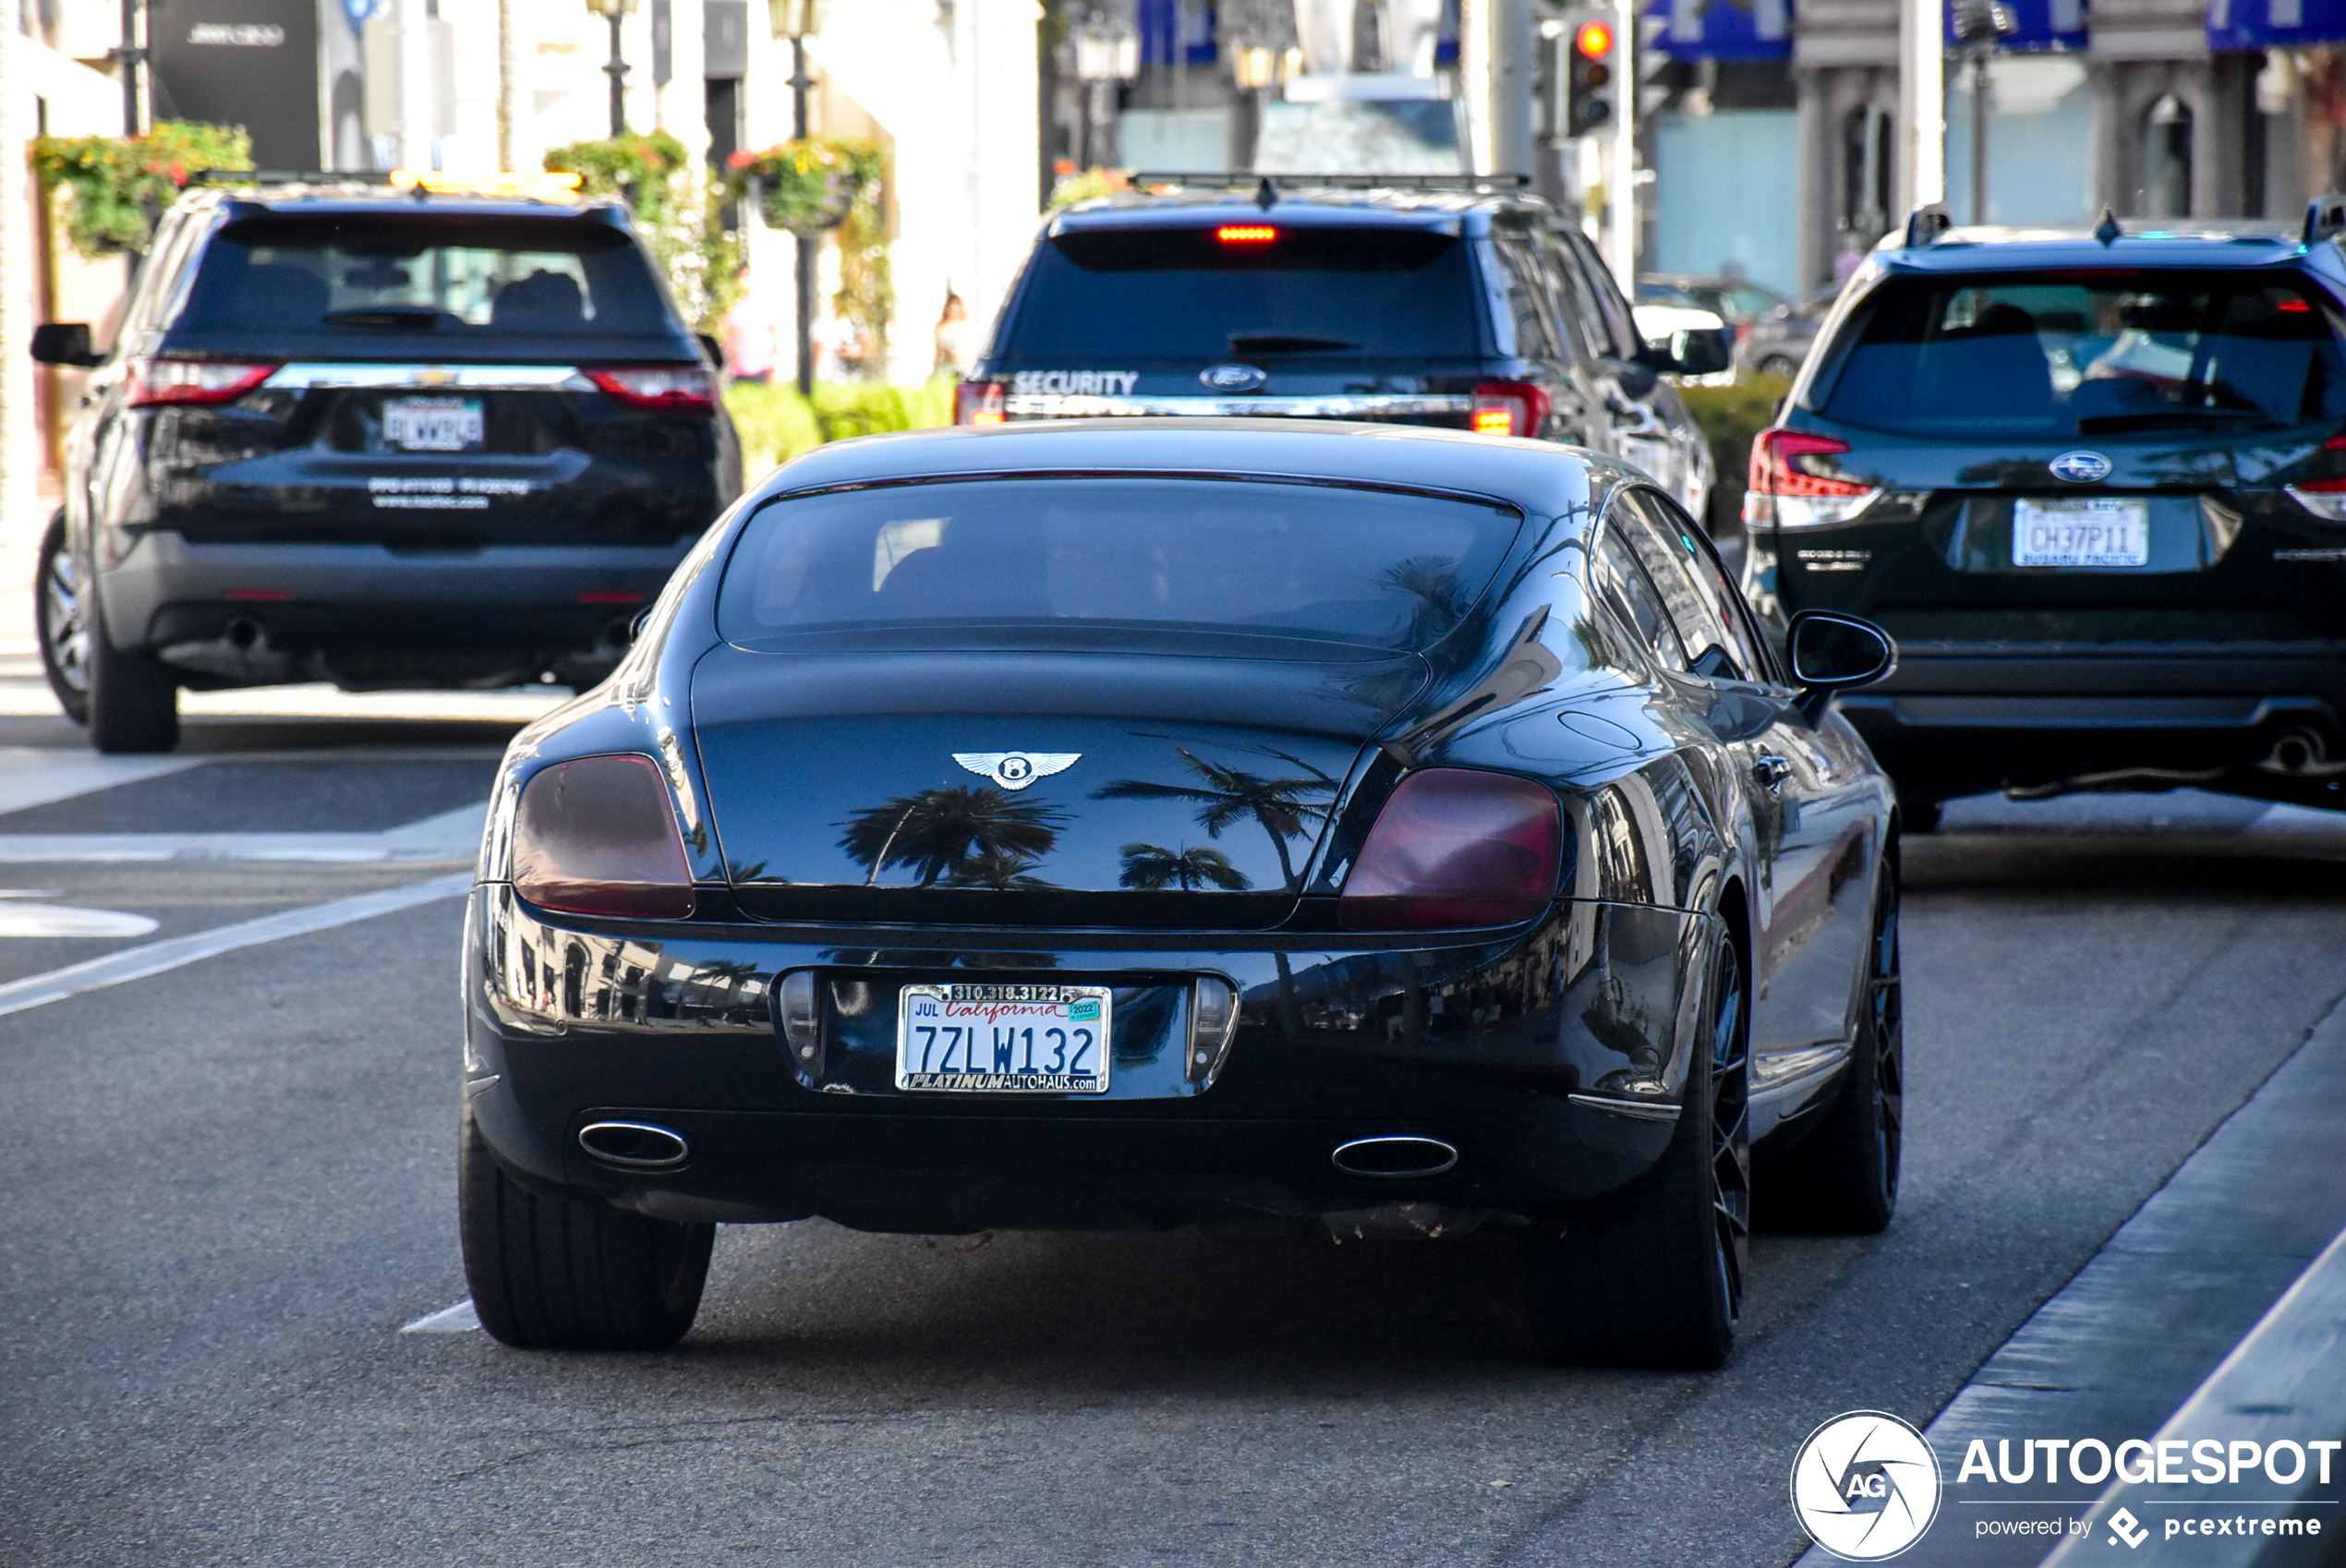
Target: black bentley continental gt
(1146, 824)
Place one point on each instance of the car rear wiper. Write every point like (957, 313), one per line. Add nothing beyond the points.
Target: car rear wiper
(410, 317)
(1285, 342)
(2172, 419)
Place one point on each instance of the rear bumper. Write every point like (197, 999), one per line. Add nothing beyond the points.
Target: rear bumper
(1955, 722)
(252, 614)
(1497, 1048)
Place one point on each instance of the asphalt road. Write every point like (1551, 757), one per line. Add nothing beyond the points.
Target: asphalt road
(230, 1185)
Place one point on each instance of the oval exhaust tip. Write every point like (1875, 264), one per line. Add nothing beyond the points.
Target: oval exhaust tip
(1394, 1157)
(634, 1146)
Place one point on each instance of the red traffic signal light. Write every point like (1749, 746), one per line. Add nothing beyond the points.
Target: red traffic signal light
(1594, 39)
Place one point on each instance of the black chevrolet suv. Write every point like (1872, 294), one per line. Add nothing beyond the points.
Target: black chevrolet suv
(1449, 301)
(421, 437)
(2095, 484)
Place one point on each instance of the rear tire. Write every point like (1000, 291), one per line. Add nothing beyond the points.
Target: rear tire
(1843, 1178)
(555, 1273)
(61, 623)
(1778, 368)
(1659, 1282)
(134, 700)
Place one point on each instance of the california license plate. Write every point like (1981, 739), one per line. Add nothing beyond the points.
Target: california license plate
(434, 424)
(2089, 531)
(979, 1039)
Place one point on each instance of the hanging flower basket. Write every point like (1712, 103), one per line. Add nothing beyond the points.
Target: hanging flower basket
(121, 185)
(639, 168)
(807, 186)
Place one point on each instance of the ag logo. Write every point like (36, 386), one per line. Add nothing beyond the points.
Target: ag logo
(1233, 378)
(2080, 467)
(1864, 1486)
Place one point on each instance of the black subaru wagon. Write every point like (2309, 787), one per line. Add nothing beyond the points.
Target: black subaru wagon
(1449, 301)
(381, 438)
(2095, 484)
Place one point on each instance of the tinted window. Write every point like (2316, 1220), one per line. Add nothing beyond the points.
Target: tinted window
(2053, 355)
(1362, 566)
(1520, 279)
(1624, 582)
(1610, 305)
(1701, 600)
(1114, 295)
(451, 277)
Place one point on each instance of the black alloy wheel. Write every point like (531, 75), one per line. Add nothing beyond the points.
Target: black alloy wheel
(1780, 368)
(1658, 1280)
(59, 622)
(1843, 1178)
(134, 700)
(550, 1273)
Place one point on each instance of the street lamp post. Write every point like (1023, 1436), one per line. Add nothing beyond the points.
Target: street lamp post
(794, 19)
(614, 11)
(1105, 55)
(1981, 24)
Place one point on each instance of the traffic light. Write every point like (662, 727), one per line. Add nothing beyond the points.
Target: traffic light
(1591, 74)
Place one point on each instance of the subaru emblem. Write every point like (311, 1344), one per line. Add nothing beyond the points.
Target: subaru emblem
(2080, 467)
(1233, 378)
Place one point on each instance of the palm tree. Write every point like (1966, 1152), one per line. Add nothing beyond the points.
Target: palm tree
(1442, 599)
(1004, 871)
(1149, 868)
(938, 832)
(1281, 806)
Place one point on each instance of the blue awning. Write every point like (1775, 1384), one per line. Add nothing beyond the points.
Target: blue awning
(1724, 30)
(2046, 24)
(2236, 25)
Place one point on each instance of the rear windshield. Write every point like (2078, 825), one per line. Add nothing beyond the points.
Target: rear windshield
(1190, 294)
(2053, 355)
(1370, 567)
(453, 276)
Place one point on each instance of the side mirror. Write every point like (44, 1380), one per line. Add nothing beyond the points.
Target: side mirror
(66, 344)
(1830, 652)
(1691, 351)
(715, 350)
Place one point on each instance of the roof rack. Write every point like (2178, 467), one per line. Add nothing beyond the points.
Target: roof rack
(1231, 180)
(284, 177)
(2324, 217)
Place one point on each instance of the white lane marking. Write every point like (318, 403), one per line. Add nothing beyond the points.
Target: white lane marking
(459, 1318)
(450, 836)
(155, 957)
(32, 776)
(63, 920)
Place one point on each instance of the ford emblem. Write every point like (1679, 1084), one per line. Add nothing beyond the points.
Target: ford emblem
(1233, 378)
(2080, 467)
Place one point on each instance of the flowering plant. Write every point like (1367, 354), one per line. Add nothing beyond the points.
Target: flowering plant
(121, 185)
(806, 186)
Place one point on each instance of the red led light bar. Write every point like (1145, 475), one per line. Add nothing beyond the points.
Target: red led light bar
(1246, 233)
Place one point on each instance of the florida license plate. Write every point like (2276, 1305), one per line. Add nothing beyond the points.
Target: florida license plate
(434, 424)
(2089, 531)
(979, 1039)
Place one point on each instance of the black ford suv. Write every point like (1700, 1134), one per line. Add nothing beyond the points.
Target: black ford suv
(383, 438)
(1423, 300)
(2095, 484)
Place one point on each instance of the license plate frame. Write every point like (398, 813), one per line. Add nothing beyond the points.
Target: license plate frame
(2102, 532)
(985, 1011)
(435, 424)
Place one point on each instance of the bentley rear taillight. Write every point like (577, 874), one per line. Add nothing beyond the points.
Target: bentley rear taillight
(1456, 847)
(598, 837)
(1787, 487)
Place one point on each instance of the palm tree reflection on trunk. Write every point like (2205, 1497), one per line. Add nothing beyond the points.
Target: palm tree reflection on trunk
(1150, 868)
(962, 837)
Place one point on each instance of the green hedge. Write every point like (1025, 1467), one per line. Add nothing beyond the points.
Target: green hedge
(1730, 416)
(776, 424)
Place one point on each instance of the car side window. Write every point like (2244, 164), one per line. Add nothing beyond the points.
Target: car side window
(1618, 579)
(1759, 649)
(1719, 652)
(1611, 307)
(1520, 277)
(1574, 302)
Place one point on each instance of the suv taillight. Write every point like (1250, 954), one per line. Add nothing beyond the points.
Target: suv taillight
(676, 388)
(1510, 408)
(156, 381)
(1456, 847)
(598, 837)
(2325, 498)
(1785, 493)
(978, 402)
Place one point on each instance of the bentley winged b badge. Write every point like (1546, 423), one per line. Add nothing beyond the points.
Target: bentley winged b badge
(1016, 770)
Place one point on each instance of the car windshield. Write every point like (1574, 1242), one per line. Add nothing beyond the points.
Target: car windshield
(1375, 567)
(1111, 295)
(455, 274)
(2056, 353)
